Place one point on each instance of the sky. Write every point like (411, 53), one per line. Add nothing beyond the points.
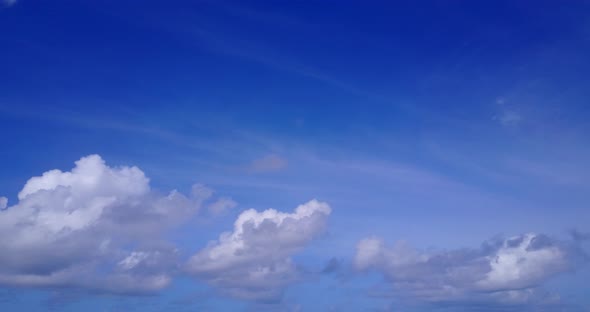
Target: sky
(294, 155)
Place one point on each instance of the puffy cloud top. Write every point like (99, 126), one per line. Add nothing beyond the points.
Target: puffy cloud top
(68, 226)
(74, 228)
(503, 271)
(90, 175)
(523, 262)
(253, 261)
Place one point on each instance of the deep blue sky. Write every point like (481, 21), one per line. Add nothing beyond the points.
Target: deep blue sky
(445, 125)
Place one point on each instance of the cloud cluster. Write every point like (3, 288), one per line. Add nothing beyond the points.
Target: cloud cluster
(254, 260)
(504, 271)
(75, 228)
(100, 228)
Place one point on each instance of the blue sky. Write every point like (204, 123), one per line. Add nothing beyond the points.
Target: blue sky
(438, 154)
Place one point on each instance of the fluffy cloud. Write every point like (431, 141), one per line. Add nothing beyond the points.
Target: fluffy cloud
(254, 260)
(75, 228)
(501, 271)
(99, 228)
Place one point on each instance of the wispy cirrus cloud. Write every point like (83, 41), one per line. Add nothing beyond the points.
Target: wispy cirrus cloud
(507, 115)
(268, 163)
(508, 118)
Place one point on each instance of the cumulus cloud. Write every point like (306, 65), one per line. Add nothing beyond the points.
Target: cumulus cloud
(500, 271)
(3, 202)
(75, 228)
(268, 163)
(254, 260)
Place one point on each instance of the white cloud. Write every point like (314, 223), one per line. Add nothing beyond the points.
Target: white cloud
(254, 260)
(368, 251)
(504, 271)
(519, 264)
(268, 163)
(201, 191)
(68, 226)
(3, 202)
(131, 261)
(221, 206)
